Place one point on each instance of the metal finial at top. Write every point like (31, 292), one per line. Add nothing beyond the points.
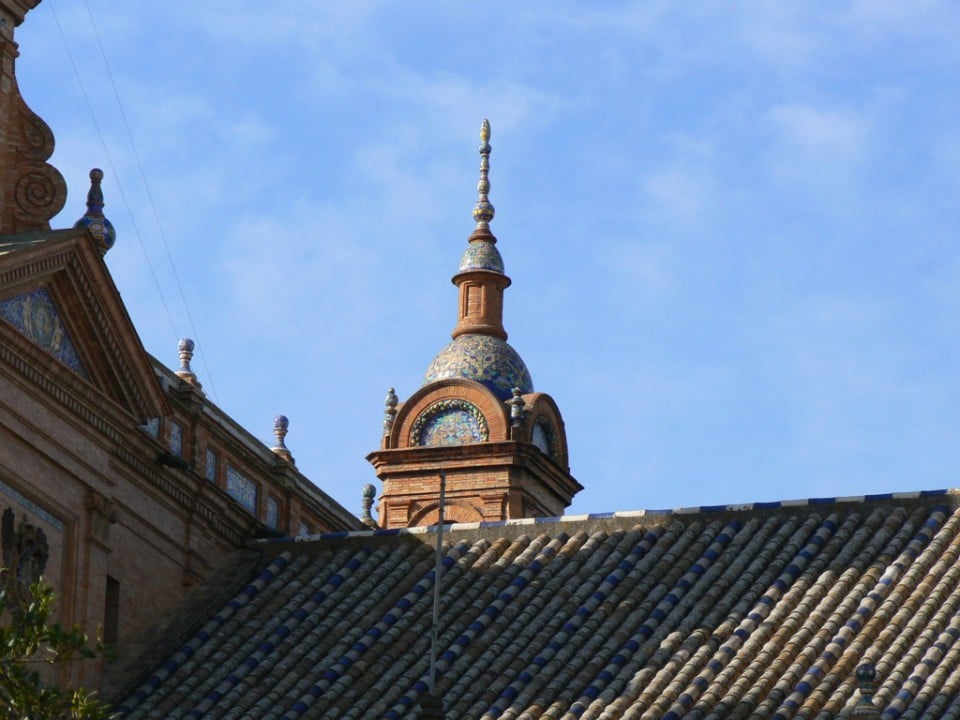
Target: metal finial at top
(483, 211)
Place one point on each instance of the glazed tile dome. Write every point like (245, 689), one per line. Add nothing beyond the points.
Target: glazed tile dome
(486, 359)
(481, 256)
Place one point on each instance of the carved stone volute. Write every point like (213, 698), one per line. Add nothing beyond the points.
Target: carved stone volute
(31, 190)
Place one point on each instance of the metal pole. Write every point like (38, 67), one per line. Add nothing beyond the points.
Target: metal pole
(435, 630)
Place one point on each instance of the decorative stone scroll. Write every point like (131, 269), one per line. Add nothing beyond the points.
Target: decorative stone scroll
(32, 190)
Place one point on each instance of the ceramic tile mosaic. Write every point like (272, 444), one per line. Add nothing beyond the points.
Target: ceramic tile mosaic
(242, 489)
(450, 422)
(483, 358)
(35, 316)
(481, 256)
(210, 469)
(152, 427)
(176, 438)
(272, 518)
(762, 612)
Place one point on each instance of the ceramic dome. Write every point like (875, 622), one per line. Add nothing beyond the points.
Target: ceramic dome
(486, 359)
(481, 256)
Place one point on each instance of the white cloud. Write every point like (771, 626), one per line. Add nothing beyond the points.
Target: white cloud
(825, 133)
(313, 258)
(676, 193)
(249, 132)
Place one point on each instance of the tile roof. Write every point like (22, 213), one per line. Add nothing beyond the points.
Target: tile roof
(759, 611)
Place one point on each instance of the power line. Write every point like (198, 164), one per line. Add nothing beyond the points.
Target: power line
(113, 167)
(146, 185)
(153, 205)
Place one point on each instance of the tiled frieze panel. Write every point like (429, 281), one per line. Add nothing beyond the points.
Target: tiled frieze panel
(152, 427)
(176, 438)
(242, 489)
(272, 518)
(210, 466)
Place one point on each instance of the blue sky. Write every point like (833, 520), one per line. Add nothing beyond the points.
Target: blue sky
(731, 228)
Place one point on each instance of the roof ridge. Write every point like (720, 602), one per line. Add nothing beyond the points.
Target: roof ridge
(624, 514)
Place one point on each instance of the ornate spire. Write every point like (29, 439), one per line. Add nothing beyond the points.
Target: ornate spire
(483, 211)
(93, 220)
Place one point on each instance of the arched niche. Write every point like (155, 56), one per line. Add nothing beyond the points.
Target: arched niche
(544, 426)
(453, 512)
(449, 396)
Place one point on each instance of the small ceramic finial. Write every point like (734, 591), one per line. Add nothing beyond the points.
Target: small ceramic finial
(516, 404)
(93, 220)
(280, 427)
(390, 410)
(483, 211)
(184, 372)
(368, 493)
(867, 680)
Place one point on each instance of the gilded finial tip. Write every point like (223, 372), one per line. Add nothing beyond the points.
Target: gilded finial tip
(485, 131)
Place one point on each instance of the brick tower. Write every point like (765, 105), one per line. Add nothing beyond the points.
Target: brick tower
(501, 446)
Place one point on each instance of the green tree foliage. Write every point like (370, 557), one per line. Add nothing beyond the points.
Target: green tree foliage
(29, 640)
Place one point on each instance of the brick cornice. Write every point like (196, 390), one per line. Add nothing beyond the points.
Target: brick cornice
(506, 470)
(61, 385)
(17, 9)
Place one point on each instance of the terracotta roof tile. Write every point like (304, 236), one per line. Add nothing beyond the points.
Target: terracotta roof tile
(750, 612)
